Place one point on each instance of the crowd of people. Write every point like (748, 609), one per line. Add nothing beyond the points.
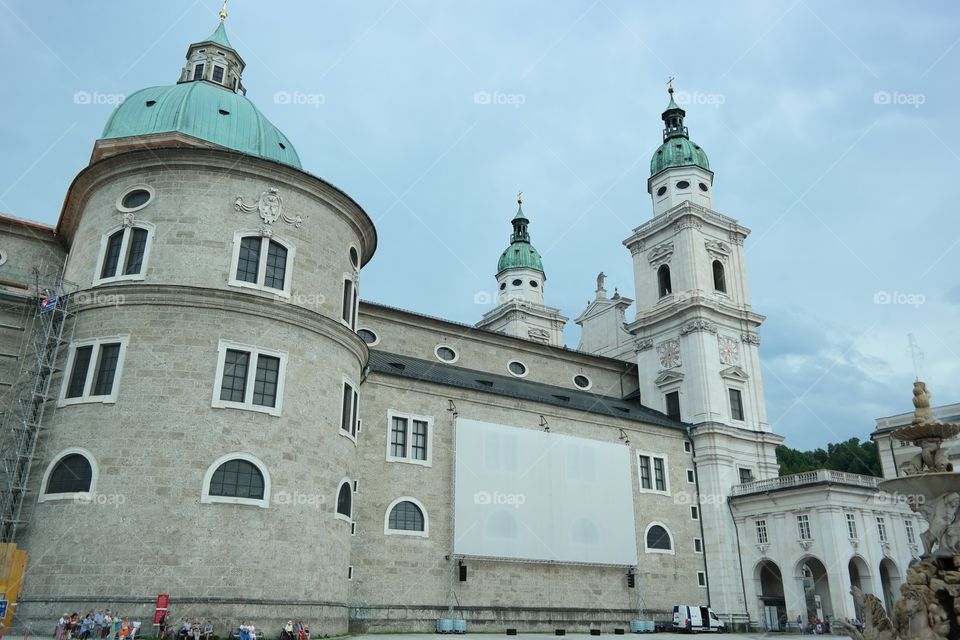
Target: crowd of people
(188, 628)
(96, 625)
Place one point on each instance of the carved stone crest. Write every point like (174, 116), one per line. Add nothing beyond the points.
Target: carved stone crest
(643, 345)
(539, 335)
(750, 338)
(270, 207)
(729, 350)
(660, 253)
(698, 325)
(129, 219)
(669, 353)
(717, 249)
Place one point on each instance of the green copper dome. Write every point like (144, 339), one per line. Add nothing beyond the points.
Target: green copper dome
(520, 254)
(677, 149)
(204, 111)
(208, 102)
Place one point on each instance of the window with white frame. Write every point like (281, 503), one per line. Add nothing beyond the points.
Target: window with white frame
(701, 579)
(698, 545)
(237, 478)
(349, 409)
(653, 473)
(882, 528)
(348, 308)
(406, 516)
(410, 438)
(761, 526)
(261, 263)
(71, 475)
(93, 370)
(691, 476)
(123, 253)
(911, 536)
(852, 526)
(345, 500)
(249, 378)
(803, 527)
(736, 404)
(658, 539)
(694, 512)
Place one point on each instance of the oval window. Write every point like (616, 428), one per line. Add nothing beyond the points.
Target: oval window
(533, 283)
(135, 199)
(683, 184)
(517, 282)
(368, 336)
(446, 354)
(517, 368)
(354, 258)
(661, 191)
(503, 285)
(582, 381)
(703, 187)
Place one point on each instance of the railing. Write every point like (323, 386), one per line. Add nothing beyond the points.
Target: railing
(805, 478)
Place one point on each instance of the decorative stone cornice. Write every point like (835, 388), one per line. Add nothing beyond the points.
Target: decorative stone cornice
(660, 254)
(644, 345)
(750, 338)
(698, 325)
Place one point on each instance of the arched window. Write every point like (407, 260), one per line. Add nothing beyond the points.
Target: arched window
(261, 263)
(406, 516)
(663, 280)
(719, 277)
(72, 473)
(345, 500)
(237, 478)
(124, 252)
(658, 539)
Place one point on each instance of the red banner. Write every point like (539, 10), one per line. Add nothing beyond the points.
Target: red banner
(163, 600)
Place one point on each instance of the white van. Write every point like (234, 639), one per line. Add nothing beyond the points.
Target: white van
(694, 619)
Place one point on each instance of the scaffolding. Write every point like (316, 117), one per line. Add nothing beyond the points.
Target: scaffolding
(46, 314)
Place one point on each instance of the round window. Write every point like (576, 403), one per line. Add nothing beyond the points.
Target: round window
(582, 381)
(135, 199)
(517, 282)
(703, 187)
(683, 184)
(517, 368)
(533, 283)
(354, 258)
(503, 285)
(661, 191)
(446, 354)
(368, 336)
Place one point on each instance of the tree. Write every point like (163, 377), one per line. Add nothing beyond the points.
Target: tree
(851, 456)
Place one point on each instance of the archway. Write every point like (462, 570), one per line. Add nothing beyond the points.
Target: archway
(889, 582)
(859, 572)
(769, 584)
(816, 589)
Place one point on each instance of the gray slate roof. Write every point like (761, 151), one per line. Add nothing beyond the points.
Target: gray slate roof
(449, 375)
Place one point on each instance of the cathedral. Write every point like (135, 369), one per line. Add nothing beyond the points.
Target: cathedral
(198, 402)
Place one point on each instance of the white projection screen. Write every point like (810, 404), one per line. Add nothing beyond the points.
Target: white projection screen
(525, 494)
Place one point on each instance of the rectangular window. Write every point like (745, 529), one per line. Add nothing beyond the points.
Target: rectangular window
(701, 579)
(249, 378)
(698, 545)
(803, 527)
(911, 536)
(93, 367)
(123, 254)
(350, 572)
(694, 513)
(658, 475)
(409, 438)
(348, 302)
(261, 263)
(691, 478)
(882, 528)
(673, 404)
(746, 475)
(851, 526)
(736, 404)
(198, 72)
(348, 422)
(217, 73)
(687, 447)
(761, 526)
(645, 473)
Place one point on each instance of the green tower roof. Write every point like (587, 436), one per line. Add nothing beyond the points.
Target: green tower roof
(677, 149)
(204, 111)
(520, 254)
(220, 36)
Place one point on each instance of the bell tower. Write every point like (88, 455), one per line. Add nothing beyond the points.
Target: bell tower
(696, 340)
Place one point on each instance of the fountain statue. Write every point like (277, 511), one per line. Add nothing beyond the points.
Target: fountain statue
(929, 604)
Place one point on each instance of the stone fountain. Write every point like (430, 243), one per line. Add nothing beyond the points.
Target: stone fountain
(929, 603)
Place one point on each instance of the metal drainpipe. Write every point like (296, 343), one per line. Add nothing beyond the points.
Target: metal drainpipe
(743, 585)
(696, 480)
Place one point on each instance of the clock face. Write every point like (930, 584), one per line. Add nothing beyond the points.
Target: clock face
(669, 352)
(729, 351)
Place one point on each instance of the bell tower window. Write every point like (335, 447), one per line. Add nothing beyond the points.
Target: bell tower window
(663, 280)
(719, 277)
(218, 74)
(198, 72)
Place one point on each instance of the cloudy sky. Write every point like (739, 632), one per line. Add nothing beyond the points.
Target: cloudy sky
(832, 129)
